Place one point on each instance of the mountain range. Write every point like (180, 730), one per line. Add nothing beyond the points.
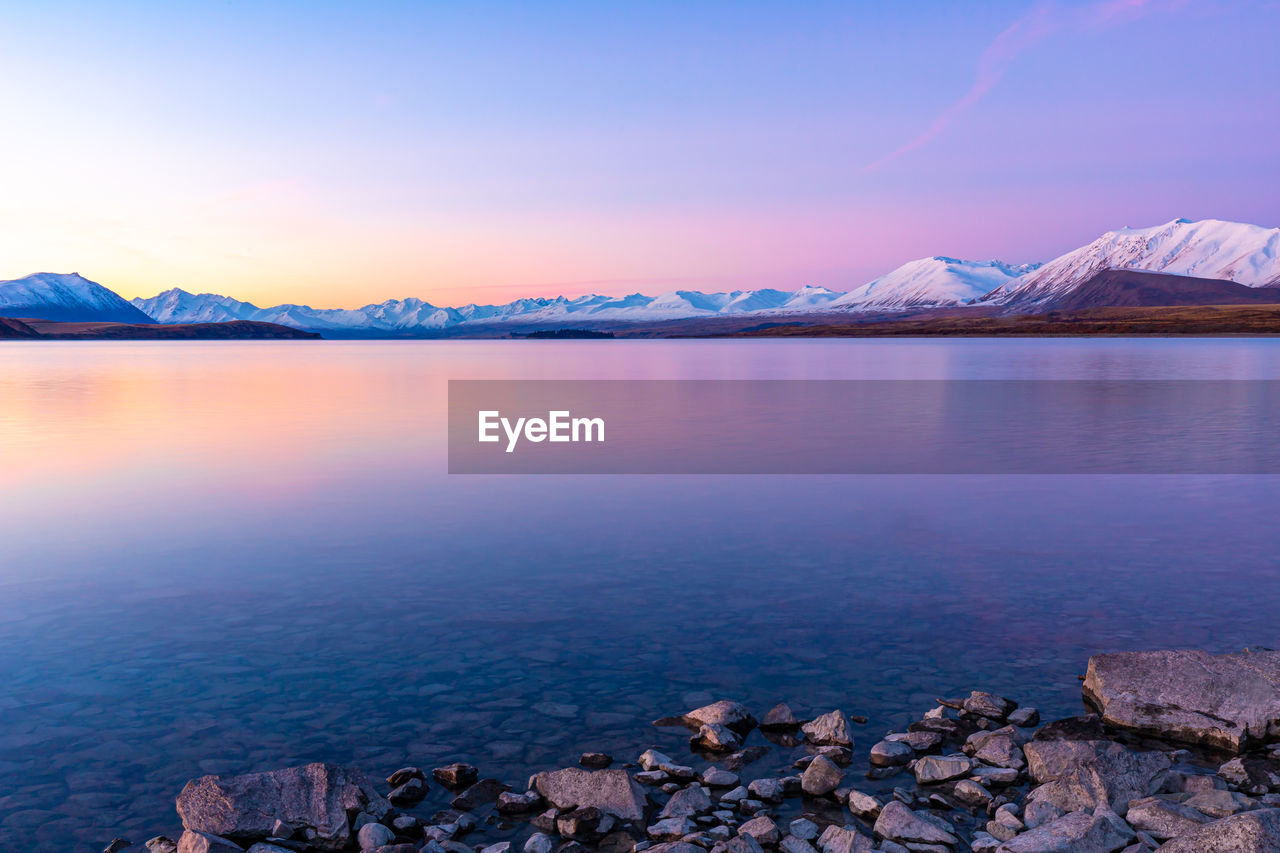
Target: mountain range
(1217, 259)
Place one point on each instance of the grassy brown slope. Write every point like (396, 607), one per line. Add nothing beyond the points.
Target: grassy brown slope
(1197, 320)
(16, 329)
(234, 330)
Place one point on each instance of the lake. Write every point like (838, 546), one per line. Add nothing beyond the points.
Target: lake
(232, 556)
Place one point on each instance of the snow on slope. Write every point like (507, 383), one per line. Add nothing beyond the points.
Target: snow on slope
(1210, 248)
(930, 282)
(65, 296)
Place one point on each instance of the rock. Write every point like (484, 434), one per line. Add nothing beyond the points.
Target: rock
(899, 823)
(844, 839)
(161, 844)
(732, 715)
(1000, 748)
(587, 824)
(509, 803)
(821, 777)
(717, 778)
(995, 776)
(1049, 760)
(922, 741)
(830, 729)
(205, 842)
(500, 847)
(863, 805)
(595, 760)
(1162, 818)
(743, 757)
(1006, 817)
(404, 774)
(1111, 776)
(408, 794)
(739, 844)
(670, 829)
(675, 847)
(989, 705)
(971, 793)
(455, 777)
(737, 795)
(1216, 803)
(264, 847)
(933, 769)
(769, 790)
(716, 738)
(791, 844)
(1025, 718)
(687, 802)
(1077, 832)
(762, 829)
(373, 835)
(803, 828)
(611, 791)
(1252, 774)
(480, 794)
(984, 842)
(1038, 813)
(779, 717)
(404, 823)
(1227, 701)
(539, 842)
(889, 753)
(1250, 832)
(652, 760)
(314, 796)
(116, 845)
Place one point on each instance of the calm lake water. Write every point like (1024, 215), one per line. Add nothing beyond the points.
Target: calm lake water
(232, 556)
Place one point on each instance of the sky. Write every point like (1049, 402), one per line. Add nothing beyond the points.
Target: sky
(338, 154)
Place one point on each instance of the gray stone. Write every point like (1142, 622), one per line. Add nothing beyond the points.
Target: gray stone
(317, 797)
(831, 729)
(539, 842)
(780, 717)
(611, 791)
(457, 776)
(899, 823)
(373, 835)
(1225, 701)
(803, 828)
(1025, 718)
(1250, 832)
(1038, 813)
(995, 776)
(1162, 818)
(933, 769)
(922, 741)
(410, 793)
(652, 760)
(1000, 748)
(791, 844)
(888, 753)
(863, 805)
(673, 847)
(161, 844)
(510, 803)
(989, 705)
(595, 760)
(732, 715)
(1111, 776)
(404, 774)
(205, 842)
(821, 777)
(737, 795)
(769, 790)
(482, 793)
(739, 844)
(687, 802)
(586, 823)
(717, 778)
(844, 839)
(1077, 832)
(716, 738)
(500, 847)
(1216, 803)
(971, 793)
(670, 829)
(264, 847)
(762, 829)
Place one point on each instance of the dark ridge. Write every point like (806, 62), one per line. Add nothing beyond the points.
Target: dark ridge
(1133, 289)
(565, 334)
(233, 330)
(16, 329)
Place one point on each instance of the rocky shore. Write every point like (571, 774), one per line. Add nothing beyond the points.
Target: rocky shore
(1181, 755)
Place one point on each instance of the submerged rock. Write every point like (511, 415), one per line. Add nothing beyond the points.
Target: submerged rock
(457, 776)
(717, 738)
(1224, 701)
(316, 797)
(780, 718)
(821, 777)
(726, 713)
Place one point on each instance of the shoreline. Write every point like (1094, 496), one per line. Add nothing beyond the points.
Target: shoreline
(1181, 754)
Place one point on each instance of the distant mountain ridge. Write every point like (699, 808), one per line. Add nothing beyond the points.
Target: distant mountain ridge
(1216, 258)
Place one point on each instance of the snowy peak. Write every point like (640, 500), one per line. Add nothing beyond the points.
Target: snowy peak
(69, 297)
(931, 282)
(1209, 248)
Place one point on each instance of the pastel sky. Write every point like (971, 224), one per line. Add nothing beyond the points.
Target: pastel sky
(337, 154)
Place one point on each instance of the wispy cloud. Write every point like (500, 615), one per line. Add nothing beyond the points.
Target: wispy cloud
(1044, 19)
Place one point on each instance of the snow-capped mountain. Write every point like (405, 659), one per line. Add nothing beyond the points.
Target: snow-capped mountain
(931, 283)
(66, 297)
(1209, 248)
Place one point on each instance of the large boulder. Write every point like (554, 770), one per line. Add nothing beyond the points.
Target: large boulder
(612, 791)
(324, 798)
(1110, 777)
(1250, 832)
(1227, 701)
(1078, 832)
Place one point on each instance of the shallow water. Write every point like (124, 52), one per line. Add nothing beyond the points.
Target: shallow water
(230, 556)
